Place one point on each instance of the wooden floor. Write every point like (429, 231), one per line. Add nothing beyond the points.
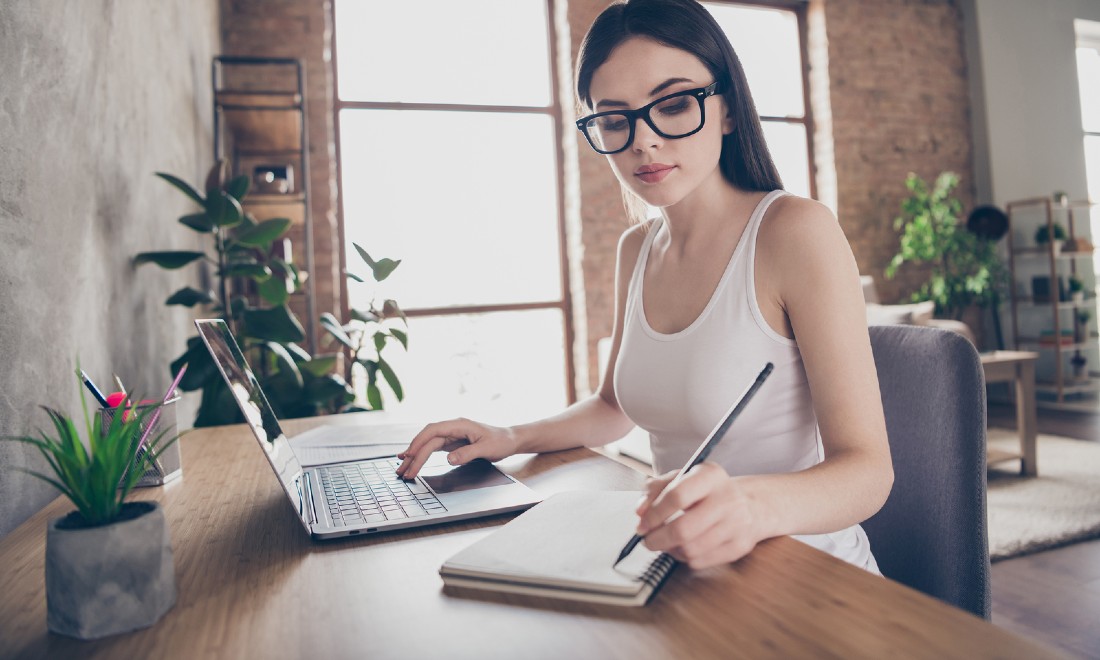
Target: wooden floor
(1052, 596)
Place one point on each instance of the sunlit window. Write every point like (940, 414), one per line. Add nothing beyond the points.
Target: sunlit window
(769, 44)
(448, 162)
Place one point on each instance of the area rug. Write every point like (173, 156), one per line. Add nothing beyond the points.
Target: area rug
(1060, 506)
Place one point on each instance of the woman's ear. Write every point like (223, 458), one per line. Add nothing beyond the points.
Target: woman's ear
(727, 124)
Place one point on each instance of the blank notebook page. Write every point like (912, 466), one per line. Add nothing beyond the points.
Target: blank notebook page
(569, 540)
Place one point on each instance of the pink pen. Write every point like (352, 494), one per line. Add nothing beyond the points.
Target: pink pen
(156, 415)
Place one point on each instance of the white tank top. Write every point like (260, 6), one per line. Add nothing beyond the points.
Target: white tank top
(679, 386)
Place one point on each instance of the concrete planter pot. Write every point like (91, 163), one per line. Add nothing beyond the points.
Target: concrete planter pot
(110, 579)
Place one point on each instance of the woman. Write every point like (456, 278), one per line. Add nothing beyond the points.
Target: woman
(735, 273)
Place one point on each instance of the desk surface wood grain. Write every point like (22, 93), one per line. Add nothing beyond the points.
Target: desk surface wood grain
(252, 584)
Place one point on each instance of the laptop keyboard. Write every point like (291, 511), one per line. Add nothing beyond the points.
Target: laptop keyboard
(369, 492)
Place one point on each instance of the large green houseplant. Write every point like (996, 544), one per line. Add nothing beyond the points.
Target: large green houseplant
(109, 565)
(243, 259)
(963, 269)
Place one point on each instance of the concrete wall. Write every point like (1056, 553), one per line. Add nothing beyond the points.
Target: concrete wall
(95, 96)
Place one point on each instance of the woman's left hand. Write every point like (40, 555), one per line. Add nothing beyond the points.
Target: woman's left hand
(719, 523)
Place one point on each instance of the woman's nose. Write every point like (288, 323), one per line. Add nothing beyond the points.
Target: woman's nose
(644, 136)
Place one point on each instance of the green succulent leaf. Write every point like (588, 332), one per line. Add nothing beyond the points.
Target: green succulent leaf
(184, 187)
(170, 259)
(262, 234)
(189, 297)
(380, 268)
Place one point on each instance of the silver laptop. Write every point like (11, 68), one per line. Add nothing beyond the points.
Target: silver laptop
(361, 496)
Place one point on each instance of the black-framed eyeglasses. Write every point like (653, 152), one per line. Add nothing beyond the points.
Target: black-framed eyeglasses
(672, 117)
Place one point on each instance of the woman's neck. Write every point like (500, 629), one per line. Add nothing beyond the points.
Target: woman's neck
(713, 208)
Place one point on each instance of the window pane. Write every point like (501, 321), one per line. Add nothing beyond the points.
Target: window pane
(767, 43)
(504, 365)
(488, 52)
(1092, 166)
(787, 143)
(466, 199)
(1088, 76)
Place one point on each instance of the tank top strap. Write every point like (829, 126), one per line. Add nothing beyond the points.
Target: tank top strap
(639, 264)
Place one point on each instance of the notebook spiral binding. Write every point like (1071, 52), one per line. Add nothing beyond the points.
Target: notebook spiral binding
(658, 570)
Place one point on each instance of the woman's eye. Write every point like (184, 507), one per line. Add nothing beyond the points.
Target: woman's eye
(674, 107)
(610, 124)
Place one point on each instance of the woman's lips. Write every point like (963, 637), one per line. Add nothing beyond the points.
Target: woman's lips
(654, 173)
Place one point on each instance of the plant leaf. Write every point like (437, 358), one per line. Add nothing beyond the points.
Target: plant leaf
(391, 379)
(238, 187)
(184, 187)
(171, 260)
(263, 233)
(273, 290)
(326, 388)
(217, 176)
(275, 324)
(254, 270)
(383, 267)
(366, 316)
(334, 328)
(200, 222)
(224, 211)
(320, 365)
(401, 337)
(284, 361)
(374, 396)
(189, 297)
(353, 276)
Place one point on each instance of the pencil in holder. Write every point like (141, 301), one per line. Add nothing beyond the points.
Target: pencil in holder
(167, 465)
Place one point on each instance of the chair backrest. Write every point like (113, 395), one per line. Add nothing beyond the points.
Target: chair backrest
(931, 533)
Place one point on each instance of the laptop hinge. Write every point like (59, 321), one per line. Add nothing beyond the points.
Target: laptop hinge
(307, 499)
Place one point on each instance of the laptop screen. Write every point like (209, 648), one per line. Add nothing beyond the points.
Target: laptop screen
(245, 389)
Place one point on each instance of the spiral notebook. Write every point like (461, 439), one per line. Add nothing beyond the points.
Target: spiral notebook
(564, 547)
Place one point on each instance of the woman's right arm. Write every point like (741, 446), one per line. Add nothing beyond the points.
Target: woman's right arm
(593, 421)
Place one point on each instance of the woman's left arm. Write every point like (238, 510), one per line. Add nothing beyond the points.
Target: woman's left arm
(807, 287)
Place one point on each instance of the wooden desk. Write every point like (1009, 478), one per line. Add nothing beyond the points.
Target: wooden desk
(1018, 369)
(252, 585)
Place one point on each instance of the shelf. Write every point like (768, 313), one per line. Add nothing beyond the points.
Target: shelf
(274, 198)
(1044, 252)
(258, 99)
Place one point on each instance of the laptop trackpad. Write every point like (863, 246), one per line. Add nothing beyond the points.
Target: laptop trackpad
(478, 473)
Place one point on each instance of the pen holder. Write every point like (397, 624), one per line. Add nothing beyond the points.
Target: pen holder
(167, 466)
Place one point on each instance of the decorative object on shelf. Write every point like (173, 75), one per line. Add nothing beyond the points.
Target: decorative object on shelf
(245, 252)
(367, 333)
(1041, 290)
(1043, 236)
(1077, 245)
(1076, 290)
(1079, 363)
(109, 563)
(1081, 325)
(965, 268)
(1060, 198)
(273, 179)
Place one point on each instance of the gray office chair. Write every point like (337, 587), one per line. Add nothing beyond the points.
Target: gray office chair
(931, 533)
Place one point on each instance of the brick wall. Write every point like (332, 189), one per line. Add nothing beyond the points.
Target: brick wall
(300, 29)
(900, 104)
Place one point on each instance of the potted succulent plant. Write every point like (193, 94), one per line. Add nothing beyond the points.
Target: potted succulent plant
(108, 563)
(1076, 290)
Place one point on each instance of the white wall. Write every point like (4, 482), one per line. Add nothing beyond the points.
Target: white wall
(1026, 79)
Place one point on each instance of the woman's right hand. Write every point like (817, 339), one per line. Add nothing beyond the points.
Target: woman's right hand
(464, 440)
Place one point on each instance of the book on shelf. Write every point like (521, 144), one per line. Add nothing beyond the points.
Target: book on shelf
(1047, 338)
(565, 547)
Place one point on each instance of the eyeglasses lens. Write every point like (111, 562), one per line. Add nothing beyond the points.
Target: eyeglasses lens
(673, 117)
